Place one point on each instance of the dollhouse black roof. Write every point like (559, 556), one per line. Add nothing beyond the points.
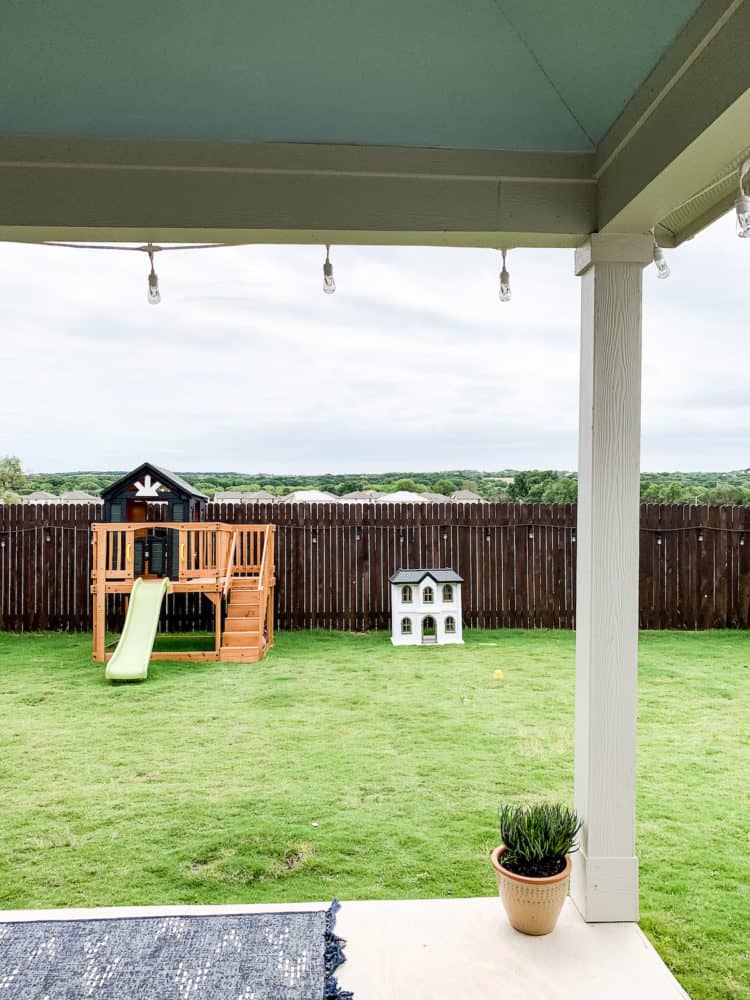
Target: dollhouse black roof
(417, 575)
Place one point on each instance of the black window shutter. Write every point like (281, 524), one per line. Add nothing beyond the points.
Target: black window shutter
(138, 548)
(156, 557)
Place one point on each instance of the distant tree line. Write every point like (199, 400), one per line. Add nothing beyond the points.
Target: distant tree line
(523, 486)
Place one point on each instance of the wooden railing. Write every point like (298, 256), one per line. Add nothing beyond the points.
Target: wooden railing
(200, 550)
(251, 546)
(203, 551)
(266, 568)
(229, 570)
(113, 552)
(266, 583)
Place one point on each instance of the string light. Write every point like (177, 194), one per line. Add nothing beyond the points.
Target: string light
(329, 285)
(505, 293)
(742, 205)
(154, 298)
(662, 268)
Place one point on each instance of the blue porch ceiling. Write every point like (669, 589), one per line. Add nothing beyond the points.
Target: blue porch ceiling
(482, 74)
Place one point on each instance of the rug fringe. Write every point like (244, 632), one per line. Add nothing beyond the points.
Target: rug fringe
(334, 956)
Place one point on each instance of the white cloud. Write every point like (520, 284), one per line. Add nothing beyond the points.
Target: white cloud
(413, 364)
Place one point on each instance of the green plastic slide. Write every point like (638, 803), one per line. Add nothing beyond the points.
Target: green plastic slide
(130, 660)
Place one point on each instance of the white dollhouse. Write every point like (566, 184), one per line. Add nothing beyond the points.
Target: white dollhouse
(425, 607)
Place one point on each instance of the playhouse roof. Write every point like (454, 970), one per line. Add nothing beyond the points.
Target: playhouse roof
(178, 484)
(417, 575)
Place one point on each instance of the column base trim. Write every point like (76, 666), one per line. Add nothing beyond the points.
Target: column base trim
(605, 890)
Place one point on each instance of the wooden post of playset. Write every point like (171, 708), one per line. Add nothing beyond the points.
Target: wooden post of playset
(270, 613)
(100, 596)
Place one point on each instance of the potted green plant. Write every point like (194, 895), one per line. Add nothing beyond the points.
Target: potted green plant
(533, 863)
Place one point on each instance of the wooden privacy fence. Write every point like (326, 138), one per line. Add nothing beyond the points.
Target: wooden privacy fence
(333, 562)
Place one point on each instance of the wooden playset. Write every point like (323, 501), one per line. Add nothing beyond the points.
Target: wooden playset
(137, 554)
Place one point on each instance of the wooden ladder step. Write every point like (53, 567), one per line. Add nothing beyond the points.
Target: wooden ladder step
(242, 623)
(240, 654)
(244, 597)
(241, 639)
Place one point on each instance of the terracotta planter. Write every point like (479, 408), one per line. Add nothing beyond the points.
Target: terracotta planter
(532, 904)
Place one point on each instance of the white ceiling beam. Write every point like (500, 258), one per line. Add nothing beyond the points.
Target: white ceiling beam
(685, 125)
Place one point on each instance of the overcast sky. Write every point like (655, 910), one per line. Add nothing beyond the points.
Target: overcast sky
(412, 365)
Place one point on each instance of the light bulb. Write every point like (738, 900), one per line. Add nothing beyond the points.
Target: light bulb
(742, 207)
(153, 280)
(329, 285)
(662, 268)
(153, 288)
(505, 293)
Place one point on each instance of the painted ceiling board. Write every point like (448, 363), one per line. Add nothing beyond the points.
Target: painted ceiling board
(399, 72)
(614, 46)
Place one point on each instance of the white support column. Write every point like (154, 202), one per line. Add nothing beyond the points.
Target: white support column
(605, 875)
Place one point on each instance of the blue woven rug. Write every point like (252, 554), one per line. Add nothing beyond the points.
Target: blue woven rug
(253, 956)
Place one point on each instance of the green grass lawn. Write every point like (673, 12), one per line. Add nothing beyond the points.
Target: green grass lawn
(343, 766)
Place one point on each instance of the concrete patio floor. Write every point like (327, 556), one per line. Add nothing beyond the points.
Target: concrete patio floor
(445, 949)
